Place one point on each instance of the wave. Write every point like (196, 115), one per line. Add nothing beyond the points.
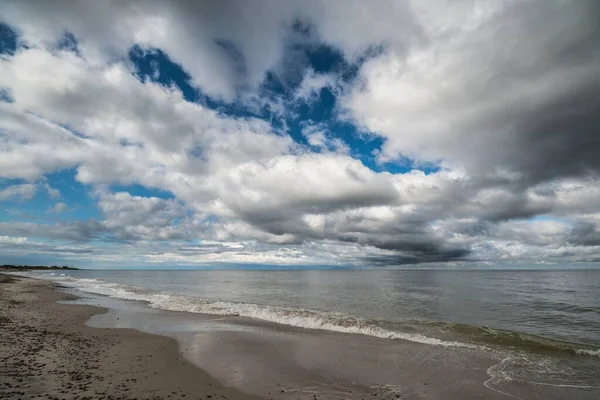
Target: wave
(588, 352)
(302, 318)
(469, 336)
(505, 338)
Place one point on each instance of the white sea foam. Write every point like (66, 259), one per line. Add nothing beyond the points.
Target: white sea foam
(301, 318)
(498, 375)
(588, 352)
(564, 385)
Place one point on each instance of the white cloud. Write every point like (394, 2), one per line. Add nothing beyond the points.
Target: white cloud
(312, 83)
(319, 137)
(459, 97)
(59, 207)
(12, 240)
(292, 184)
(23, 191)
(146, 218)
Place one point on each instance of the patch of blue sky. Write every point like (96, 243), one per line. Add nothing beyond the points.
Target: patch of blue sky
(326, 59)
(68, 42)
(156, 66)
(75, 194)
(9, 39)
(8, 45)
(6, 182)
(19, 208)
(6, 96)
(142, 191)
(16, 210)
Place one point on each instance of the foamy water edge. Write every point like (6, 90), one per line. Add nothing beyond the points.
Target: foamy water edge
(301, 318)
(296, 317)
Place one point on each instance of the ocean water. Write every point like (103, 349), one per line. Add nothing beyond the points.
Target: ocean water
(542, 326)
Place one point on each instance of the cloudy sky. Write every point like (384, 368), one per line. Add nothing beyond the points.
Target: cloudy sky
(345, 133)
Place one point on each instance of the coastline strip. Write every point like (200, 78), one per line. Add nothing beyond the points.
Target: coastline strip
(48, 351)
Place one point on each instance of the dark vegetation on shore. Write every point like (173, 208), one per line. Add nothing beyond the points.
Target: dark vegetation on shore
(32, 267)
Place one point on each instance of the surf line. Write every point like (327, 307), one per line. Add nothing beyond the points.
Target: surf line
(566, 386)
(491, 371)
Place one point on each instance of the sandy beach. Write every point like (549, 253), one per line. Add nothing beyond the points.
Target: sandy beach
(47, 352)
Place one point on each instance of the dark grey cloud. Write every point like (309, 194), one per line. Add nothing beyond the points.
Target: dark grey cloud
(560, 139)
(585, 233)
(439, 256)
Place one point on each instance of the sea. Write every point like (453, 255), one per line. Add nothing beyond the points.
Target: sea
(523, 334)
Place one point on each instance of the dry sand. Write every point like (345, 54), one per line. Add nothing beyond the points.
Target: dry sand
(47, 352)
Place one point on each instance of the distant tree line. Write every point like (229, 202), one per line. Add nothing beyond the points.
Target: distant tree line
(33, 267)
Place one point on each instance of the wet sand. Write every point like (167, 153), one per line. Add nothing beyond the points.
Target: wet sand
(47, 352)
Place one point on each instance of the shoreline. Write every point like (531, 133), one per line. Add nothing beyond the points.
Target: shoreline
(57, 350)
(286, 362)
(104, 347)
(49, 352)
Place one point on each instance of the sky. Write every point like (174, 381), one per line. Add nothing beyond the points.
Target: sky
(300, 133)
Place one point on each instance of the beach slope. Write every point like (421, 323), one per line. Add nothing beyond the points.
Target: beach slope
(47, 351)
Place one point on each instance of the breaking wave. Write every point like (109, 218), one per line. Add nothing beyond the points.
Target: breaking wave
(470, 336)
(302, 318)
(504, 338)
(588, 352)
